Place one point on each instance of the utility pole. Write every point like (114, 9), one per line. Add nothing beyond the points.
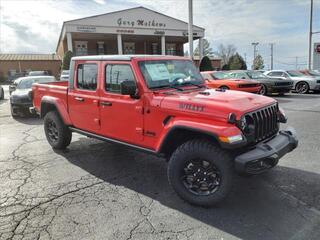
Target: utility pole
(271, 56)
(254, 44)
(190, 30)
(296, 63)
(310, 34)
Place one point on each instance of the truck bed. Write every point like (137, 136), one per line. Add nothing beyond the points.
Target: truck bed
(58, 90)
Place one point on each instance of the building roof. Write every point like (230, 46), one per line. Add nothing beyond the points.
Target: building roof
(28, 57)
(124, 57)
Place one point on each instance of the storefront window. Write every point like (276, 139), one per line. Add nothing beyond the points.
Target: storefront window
(155, 48)
(171, 49)
(100, 48)
(81, 48)
(129, 48)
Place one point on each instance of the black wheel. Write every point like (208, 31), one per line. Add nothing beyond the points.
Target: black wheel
(263, 90)
(224, 88)
(302, 87)
(1, 94)
(57, 133)
(200, 172)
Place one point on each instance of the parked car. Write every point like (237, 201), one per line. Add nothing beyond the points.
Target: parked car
(160, 105)
(64, 76)
(268, 85)
(1, 93)
(302, 83)
(21, 97)
(311, 73)
(38, 73)
(13, 86)
(223, 80)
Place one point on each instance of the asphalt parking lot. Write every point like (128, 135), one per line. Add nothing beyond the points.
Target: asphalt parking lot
(95, 190)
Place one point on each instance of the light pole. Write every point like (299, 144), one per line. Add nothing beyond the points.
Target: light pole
(271, 56)
(310, 34)
(254, 44)
(190, 30)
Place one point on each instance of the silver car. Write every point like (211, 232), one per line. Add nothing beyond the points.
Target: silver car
(64, 75)
(301, 83)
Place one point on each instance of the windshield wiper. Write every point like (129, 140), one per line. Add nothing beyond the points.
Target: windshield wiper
(168, 86)
(193, 84)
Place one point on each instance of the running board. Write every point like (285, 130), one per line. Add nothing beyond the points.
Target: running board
(93, 135)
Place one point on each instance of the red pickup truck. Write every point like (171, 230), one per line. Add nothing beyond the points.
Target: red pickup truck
(160, 105)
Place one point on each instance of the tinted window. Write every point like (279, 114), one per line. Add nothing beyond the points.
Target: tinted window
(275, 74)
(115, 75)
(87, 76)
(238, 75)
(27, 82)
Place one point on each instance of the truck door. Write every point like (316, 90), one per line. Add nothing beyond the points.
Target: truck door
(83, 96)
(121, 115)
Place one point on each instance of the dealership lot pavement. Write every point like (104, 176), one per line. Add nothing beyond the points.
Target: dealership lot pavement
(95, 190)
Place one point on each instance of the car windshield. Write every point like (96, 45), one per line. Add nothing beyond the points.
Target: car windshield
(65, 72)
(170, 73)
(255, 74)
(37, 73)
(295, 74)
(313, 73)
(220, 75)
(27, 82)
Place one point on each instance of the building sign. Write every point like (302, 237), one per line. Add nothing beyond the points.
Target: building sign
(157, 32)
(139, 23)
(316, 56)
(86, 29)
(125, 31)
(187, 34)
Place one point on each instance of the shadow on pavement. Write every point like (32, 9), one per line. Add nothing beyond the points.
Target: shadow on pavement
(29, 120)
(256, 208)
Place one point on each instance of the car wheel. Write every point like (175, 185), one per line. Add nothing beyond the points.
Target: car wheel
(263, 90)
(1, 94)
(201, 173)
(57, 133)
(224, 88)
(302, 87)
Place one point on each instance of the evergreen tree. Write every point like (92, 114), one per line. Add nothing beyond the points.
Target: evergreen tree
(236, 62)
(258, 63)
(205, 64)
(66, 60)
(207, 50)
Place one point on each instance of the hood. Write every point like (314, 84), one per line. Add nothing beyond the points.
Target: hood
(21, 92)
(213, 103)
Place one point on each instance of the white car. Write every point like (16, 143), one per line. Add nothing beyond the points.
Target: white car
(64, 75)
(301, 83)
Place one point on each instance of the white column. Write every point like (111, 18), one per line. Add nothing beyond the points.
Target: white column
(163, 45)
(200, 48)
(69, 41)
(119, 39)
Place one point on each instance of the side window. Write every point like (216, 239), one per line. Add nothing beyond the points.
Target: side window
(275, 74)
(115, 75)
(87, 76)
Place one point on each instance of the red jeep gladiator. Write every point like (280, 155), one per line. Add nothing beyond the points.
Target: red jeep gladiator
(160, 105)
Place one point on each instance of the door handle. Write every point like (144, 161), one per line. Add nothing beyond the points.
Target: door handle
(80, 99)
(107, 104)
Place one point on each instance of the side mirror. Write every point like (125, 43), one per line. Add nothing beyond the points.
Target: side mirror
(128, 87)
(243, 78)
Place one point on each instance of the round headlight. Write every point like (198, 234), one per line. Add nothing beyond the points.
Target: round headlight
(243, 123)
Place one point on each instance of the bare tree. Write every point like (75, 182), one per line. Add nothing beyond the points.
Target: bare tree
(207, 50)
(225, 52)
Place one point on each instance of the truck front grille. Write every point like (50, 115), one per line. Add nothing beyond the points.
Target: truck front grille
(265, 122)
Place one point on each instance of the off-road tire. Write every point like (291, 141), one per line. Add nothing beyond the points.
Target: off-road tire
(62, 132)
(202, 149)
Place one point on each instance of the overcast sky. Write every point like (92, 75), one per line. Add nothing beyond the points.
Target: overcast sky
(34, 26)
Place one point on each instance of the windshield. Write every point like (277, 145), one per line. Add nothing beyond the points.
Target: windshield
(313, 73)
(27, 82)
(65, 72)
(220, 75)
(167, 73)
(255, 75)
(295, 74)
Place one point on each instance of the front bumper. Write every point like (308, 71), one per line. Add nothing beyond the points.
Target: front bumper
(20, 108)
(267, 154)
